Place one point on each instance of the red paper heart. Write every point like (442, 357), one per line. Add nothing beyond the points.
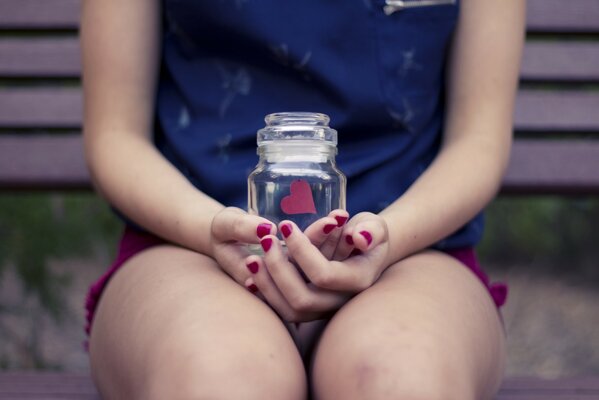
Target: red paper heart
(300, 200)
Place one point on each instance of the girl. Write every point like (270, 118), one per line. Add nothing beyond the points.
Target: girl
(422, 95)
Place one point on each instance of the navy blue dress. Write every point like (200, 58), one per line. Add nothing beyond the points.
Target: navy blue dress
(228, 63)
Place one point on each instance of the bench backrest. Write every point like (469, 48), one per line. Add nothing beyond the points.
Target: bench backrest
(556, 117)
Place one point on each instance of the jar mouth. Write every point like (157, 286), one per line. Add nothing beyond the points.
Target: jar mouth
(304, 126)
(297, 118)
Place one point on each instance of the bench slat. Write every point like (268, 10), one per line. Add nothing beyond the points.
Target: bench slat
(56, 57)
(544, 111)
(46, 385)
(536, 111)
(42, 162)
(557, 166)
(564, 384)
(563, 16)
(543, 15)
(41, 108)
(57, 162)
(560, 61)
(49, 385)
(39, 14)
(59, 57)
(545, 396)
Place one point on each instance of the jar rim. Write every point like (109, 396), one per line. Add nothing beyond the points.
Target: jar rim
(304, 126)
(297, 118)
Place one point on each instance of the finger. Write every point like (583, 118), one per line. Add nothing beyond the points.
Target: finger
(302, 298)
(264, 285)
(367, 234)
(268, 290)
(231, 258)
(234, 224)
(333, 275)
(345, 247)
(322, 234)
(320, 230)
(251, 286)
(328, 247)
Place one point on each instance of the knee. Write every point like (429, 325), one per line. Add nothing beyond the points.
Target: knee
(374, 373)
(243, 376)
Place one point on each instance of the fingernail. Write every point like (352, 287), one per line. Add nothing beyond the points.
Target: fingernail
(253, 288)
(329, 228)
(266, 243)
(349, 239)
(286, 230)
(253, 267)
(263, 230)
(340, 220)
(355, 252)
(367, 236)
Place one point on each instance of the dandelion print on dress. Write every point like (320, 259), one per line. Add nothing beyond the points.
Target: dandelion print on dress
(282, 56)
(403, 118)
(223, 147)
(233, 83)
(183, 120)
(408, 63)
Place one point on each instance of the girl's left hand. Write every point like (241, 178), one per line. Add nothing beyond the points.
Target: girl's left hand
(357, 262)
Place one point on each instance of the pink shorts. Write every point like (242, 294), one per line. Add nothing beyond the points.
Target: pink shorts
(134, 241)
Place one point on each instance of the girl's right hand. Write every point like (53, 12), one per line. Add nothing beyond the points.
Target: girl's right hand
(232, 229)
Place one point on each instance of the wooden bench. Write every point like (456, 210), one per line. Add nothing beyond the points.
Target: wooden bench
(556, 125)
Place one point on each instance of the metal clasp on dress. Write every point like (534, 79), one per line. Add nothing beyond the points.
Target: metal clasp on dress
(392, 6)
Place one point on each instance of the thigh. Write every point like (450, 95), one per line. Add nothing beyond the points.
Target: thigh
(171, 324)
(428, 329)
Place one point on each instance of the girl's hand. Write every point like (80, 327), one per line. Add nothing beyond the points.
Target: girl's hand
(361, 255)
(326, 232)
(332, 283)
(231, 230)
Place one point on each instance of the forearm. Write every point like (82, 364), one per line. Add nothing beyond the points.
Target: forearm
(460, 182)
(150, 190)
(120, 57)
(482, 77)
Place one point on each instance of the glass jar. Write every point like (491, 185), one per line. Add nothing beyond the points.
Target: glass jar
(296, 177)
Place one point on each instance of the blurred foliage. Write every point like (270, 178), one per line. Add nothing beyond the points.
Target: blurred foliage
(551, 234)
(36, 228)
(554, 233)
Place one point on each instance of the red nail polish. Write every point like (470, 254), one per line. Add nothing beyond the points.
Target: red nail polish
(349, 239)
(266, 243)
(253, 288)
(263, 230)
(355, 252)
(329, 228)
(340, 220)
(286, 230)
(367, 236)
(253, 267)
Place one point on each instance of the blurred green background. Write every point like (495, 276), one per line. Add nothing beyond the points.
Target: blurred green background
(53, 246)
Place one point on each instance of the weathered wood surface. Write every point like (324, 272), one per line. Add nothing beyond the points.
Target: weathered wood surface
(39, 14)
(59, 58)
(71, 386)
(543, 15)
(536, 167)
(536, 110)
(563, 16)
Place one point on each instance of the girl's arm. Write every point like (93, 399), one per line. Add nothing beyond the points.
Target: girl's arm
(483, 73)
(121, 50)
(482, 80)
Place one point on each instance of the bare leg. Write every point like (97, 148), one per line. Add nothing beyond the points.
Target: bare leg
(426, 330)
(172, 325)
